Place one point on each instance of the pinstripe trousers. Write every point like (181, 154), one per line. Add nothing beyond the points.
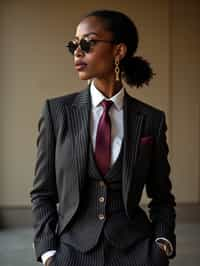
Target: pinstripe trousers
(145, 253)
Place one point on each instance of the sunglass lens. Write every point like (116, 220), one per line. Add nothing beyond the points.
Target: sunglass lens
(72, 47)
(85, 45)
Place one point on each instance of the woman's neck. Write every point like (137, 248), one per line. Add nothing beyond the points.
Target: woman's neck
(108, 88)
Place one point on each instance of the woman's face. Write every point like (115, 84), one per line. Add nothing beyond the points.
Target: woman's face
(98, 63)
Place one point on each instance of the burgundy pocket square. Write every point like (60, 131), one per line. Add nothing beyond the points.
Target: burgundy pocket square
(146, 140)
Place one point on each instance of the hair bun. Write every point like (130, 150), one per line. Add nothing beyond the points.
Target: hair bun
(137, 71)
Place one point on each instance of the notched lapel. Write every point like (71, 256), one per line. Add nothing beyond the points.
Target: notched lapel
(133, 120)
(79, 128)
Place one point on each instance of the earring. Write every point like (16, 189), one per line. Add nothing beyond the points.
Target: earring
(117, 70)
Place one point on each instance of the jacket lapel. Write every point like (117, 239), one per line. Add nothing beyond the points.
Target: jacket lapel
(79, 128)
(79, 122)
(133, 120)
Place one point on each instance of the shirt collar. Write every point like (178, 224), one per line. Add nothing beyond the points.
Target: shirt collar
(97, 97)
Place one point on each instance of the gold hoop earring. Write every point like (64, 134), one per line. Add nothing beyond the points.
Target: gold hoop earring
(117, 70)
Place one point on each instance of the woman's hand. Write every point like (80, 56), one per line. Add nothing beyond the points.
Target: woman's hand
(48, 261)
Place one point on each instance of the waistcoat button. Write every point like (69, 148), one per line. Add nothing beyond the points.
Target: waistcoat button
(101, 199)
(101, 184)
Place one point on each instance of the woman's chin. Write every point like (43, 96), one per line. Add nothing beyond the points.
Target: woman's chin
(83, 76)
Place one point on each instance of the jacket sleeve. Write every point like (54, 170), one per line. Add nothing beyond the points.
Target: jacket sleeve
(44, 193)
(162, 204)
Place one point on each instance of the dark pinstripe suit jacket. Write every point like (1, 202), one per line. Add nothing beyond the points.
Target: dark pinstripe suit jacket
(62, 164)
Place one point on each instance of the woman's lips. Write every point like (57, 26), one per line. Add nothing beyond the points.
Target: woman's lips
(80, 66)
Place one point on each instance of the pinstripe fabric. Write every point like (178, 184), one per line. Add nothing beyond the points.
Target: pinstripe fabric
(84, 231)
(62, 159)
(104, 254)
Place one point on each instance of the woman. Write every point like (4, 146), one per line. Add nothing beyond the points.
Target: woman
(97, 149)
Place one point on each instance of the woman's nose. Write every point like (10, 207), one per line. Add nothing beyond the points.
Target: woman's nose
(78, 52)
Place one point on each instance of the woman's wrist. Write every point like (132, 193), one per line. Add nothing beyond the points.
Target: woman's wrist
(48, 261)
(164, 246)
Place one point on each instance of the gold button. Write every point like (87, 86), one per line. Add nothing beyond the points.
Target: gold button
(101, 183)
(101, 217)
(101, 199)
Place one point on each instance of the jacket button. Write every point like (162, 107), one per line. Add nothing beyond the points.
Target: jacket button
(101, 217)
(101, 184)
(101, 199)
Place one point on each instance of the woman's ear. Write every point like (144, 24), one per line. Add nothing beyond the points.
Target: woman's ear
(120, 51)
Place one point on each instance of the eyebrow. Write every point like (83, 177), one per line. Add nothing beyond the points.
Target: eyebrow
(88, 34)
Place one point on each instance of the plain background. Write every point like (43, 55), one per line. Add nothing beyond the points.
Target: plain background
(34, 66)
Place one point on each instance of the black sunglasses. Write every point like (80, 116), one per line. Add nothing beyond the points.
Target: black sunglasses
(84, 44)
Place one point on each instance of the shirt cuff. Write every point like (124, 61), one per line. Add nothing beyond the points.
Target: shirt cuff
(47, 255)
(171, 249)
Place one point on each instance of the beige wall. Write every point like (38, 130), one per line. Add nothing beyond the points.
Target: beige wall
(34, 66)
(186, 99)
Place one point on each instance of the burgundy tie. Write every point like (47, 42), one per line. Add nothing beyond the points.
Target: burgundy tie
(103, 139)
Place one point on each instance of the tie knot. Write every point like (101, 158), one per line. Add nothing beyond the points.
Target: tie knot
(106, 105)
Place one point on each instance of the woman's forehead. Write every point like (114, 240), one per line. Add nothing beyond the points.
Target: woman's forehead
(92, 26)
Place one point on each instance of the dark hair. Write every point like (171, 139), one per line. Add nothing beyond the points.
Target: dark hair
(136, 70)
